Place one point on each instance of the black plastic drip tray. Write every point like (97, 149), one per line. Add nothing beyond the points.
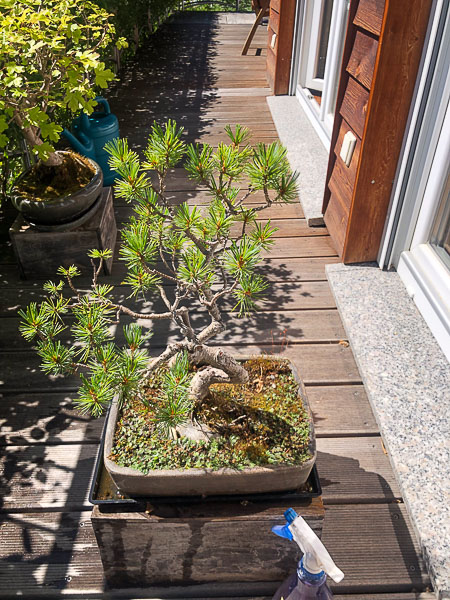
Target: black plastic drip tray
(104, 493)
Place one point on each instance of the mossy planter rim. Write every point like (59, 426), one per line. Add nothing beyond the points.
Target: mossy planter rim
(206, 481)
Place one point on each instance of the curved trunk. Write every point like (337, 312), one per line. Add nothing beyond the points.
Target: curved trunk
(54, 159)
(221, 368)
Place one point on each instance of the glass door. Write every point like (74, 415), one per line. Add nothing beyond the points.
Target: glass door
(440, 234)
(319, 15)
(320, 46)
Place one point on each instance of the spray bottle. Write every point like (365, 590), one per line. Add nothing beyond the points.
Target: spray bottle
(310, 580)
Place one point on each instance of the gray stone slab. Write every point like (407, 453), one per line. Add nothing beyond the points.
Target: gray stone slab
(306, 153)
(407, 379)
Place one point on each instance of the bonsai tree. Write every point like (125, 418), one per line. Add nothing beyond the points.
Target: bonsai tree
(192, 258)
(50, 61)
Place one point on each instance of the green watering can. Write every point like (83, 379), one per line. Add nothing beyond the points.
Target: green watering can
(91, 133)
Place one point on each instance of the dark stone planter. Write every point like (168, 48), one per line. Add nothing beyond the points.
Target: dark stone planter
(207, 482)
(60, 210)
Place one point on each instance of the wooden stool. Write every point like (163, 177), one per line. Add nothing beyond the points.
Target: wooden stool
(262, 9)
(40, 253)
(209, 542)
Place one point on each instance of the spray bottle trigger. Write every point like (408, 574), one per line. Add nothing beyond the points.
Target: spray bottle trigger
(283, 531)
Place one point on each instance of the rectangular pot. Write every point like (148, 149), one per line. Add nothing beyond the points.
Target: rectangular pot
(207, 482)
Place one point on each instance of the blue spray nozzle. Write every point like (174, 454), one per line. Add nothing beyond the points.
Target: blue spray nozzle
(290, 515)
(283, 530)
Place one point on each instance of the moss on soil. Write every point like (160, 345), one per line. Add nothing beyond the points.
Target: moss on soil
(259, 423)
(43, 183)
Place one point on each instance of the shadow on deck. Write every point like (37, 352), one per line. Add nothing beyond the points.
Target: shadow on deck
(197, 76)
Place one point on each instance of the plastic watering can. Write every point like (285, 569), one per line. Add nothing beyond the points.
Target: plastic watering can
(91, 133)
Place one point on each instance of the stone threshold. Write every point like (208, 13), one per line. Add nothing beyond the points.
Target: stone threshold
(306, 153)
(407, 379)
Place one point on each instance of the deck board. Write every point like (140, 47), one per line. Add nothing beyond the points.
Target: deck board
(48, 548)
(58, 476)
(66, 542)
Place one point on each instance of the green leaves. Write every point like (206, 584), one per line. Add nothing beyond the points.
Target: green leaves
(240, 135)
(56, 359)
(91, 327)
(242, 258)
(36, 322)
(95, 394)
(195, 268)
(262, 235)
(230, 161)
(102, 75)
(139, 248)
(134, 336)
(50, 59)
(51, 131)
(199, 164)
(187, 218)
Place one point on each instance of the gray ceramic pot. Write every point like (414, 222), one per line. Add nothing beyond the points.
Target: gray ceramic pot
(207, 482)
(60, 210)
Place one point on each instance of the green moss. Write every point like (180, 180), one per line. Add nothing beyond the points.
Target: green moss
(43, 183)
(259, 423)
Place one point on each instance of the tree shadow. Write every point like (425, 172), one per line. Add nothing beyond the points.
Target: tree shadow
(172, 76)
(378, 518)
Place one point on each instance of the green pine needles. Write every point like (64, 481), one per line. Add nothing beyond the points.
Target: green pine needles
(193, 258)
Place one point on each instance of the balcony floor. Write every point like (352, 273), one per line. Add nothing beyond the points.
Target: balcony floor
(194, 73)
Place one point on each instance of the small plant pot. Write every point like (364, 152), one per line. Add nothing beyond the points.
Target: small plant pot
(61, 210)
(207, 482)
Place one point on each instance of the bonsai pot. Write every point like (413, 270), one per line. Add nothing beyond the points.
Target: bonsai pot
(63, 209)
(205, 481)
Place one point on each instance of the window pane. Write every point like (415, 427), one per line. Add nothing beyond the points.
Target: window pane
(324, 36)
(440, 235)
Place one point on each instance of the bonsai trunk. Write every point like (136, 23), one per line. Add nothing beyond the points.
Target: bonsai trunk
(33, 139)
(221, 368)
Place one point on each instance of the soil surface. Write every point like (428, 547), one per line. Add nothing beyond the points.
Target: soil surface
(260, 423)
(47, 183)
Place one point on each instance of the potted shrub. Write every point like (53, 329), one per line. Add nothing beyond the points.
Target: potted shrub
(50, 62)
(192, 419)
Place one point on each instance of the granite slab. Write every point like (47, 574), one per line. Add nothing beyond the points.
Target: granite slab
(407, 379)
(306, 153)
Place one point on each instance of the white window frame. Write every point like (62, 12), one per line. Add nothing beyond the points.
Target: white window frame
(420, 181)
(426, 277)
(309, 19)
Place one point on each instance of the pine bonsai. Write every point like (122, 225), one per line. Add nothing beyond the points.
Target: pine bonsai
(191, 258)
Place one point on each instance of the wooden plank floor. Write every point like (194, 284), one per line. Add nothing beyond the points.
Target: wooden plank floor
(195, 73)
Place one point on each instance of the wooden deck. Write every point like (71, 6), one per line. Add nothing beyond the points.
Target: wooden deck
(196, 75)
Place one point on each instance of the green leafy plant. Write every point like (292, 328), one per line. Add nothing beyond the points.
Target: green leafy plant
(50, 60)
(192, 258)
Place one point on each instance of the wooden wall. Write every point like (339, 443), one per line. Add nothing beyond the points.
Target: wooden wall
(382, 52)
(279, 53)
